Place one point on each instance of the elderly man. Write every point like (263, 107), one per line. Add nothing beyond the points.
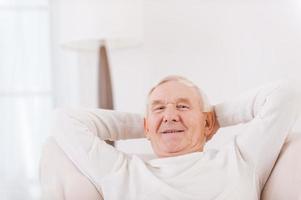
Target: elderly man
(178, 122)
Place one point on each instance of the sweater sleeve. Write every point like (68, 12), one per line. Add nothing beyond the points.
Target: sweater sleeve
(268, 114)
(81, 134)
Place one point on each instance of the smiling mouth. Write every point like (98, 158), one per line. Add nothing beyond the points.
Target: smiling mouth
(172, 131)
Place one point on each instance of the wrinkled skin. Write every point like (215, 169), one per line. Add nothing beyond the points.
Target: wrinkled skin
(175, 122)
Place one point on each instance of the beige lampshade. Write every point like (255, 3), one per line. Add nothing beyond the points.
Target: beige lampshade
(85, 24)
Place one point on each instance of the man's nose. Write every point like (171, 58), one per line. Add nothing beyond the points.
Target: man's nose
(171, 115)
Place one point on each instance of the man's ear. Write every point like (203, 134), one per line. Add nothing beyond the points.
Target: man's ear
(211, 125)
(145, 125)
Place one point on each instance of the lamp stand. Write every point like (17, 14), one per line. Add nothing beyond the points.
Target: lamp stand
(104, 89)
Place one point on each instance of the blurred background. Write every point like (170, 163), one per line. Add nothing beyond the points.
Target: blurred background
(49, 58)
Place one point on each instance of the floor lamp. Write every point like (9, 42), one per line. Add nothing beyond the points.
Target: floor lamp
(94, 25)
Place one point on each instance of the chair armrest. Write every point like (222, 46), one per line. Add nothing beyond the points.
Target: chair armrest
(285, 180)
(60, 179)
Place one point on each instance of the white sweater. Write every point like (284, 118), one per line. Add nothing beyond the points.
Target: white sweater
(236, 172)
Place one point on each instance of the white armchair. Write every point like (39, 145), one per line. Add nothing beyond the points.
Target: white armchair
(60, 179)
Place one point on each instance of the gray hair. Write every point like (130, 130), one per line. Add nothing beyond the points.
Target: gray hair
(203, 97)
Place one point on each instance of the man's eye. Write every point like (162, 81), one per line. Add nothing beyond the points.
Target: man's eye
(159, 108)
(183, 107)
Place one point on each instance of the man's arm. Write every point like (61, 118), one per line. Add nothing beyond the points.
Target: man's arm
(81, 134)
(268, 113)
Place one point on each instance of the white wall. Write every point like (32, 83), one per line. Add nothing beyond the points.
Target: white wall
(223, 47)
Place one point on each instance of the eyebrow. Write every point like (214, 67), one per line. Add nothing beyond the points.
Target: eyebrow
(181, 100)
(156, 102)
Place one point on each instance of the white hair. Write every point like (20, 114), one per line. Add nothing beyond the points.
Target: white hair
(203, 97)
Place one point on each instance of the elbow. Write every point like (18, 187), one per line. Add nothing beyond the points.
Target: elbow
(288, 96)
(281, 98)
(71, 121)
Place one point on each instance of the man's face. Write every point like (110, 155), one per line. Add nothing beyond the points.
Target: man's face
(175, 123)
